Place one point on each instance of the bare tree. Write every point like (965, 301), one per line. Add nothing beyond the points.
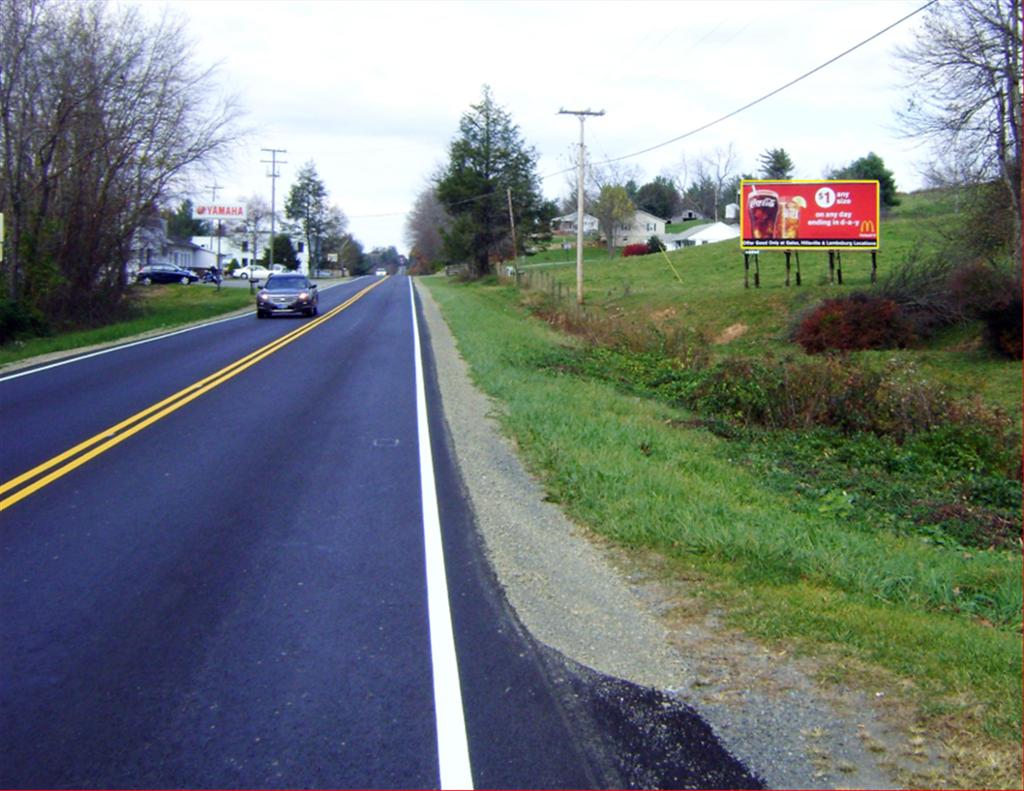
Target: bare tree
(425, 226)
(257, 223)
(721, 167)
(101, 116)
(965, 82)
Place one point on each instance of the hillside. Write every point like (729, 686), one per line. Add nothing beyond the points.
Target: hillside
(884, 544)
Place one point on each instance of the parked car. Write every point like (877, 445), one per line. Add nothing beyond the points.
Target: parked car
(287, 293)
(381, 272)
(256, 272)
(165, 273)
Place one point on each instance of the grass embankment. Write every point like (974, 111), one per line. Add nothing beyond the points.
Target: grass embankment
(838, 544)
(155, 307)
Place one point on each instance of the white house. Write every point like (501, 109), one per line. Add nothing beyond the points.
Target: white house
(703, 234)
(567, 224)
(151, 245)
(643, 226)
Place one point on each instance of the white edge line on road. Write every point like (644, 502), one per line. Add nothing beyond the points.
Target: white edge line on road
(108, 350)
(452, 745)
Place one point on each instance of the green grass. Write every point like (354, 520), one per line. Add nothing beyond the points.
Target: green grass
(156, 307)
(554, 254)
(679, 227)
(809, 538)
(711, 296)
(621, 465)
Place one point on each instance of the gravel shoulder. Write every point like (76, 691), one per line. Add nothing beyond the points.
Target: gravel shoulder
(624, 616)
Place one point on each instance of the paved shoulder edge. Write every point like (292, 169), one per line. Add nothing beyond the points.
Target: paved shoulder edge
(557, 582)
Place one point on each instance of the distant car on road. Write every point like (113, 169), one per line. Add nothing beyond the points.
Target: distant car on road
(165, 273)
(381, 272)
(287, 293)
(256, 272)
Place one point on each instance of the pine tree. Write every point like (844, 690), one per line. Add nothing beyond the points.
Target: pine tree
(776, 164)
(487, 158)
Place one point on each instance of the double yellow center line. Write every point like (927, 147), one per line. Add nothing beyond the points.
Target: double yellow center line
(35, 479)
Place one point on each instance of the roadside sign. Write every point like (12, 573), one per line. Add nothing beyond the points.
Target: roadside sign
(823, 215)
(218, 211)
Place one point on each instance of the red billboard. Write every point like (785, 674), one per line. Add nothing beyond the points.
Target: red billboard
(781, 215)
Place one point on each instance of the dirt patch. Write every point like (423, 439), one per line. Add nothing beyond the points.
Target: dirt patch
(730, 333)
(660, 317)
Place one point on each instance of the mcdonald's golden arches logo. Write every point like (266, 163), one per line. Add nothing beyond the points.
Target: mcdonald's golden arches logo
(867, 226)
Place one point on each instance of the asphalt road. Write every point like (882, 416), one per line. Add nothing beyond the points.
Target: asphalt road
(222, 570)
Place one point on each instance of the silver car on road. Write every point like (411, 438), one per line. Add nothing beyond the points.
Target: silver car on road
(287, 293)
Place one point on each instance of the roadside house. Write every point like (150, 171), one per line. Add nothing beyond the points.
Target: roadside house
(567, 224)
(642, 227)
(151, 245)
(703, 234)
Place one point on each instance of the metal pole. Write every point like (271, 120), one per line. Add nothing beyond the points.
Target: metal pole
(582, 115)
(213, 196)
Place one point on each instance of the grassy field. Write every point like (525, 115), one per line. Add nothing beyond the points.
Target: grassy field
(828, 544)
(155, 307)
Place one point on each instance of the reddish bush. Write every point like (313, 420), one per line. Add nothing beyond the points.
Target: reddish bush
(859, 321)
(634, 249)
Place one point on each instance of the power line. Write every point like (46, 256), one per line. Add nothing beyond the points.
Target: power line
(758, 100)
(717, 121)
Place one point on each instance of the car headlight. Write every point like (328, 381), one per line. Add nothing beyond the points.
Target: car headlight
(263, 296)
(304, 296)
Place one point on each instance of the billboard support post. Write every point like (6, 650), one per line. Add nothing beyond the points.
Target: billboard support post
(797, 254)
(787, 269)
(874, 266)
(746, 269)
(839, 267)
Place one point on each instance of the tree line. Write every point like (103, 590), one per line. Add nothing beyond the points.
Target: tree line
(102, 118)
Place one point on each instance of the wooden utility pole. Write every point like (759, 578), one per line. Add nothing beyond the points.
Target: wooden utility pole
(273, 175)
(512, 224)
(582, 115)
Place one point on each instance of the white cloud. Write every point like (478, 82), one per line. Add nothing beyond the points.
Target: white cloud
(372, 92)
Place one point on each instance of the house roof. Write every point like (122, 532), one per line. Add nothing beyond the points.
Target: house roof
(572, 218)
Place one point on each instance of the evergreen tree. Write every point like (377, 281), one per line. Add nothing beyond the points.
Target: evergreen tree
(871, 167)
(659, 197)
(776, 164)
(284, 252)
(487, 158)
(307, 205)
(182, 225)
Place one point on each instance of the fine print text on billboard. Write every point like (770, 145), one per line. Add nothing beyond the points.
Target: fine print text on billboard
(780, 215)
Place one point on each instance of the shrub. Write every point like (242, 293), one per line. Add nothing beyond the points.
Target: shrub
(634, 249)
(860, 321)
(1003, 327)
(18, 320)
(655, 245)
(742, 389)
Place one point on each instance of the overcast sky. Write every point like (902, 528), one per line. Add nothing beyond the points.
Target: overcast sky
(372, 92)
